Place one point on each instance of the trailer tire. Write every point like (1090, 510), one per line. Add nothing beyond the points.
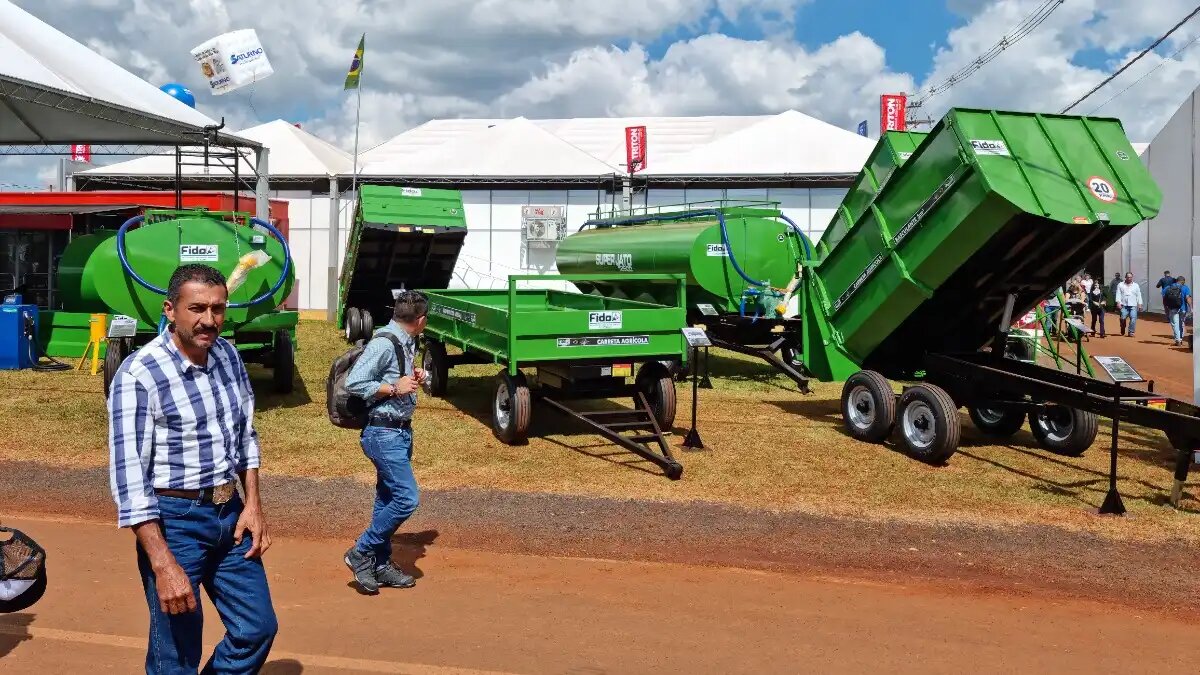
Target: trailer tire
(437, 370)
(351, 322)
(1064, 431)
(655, 383)
(118, 350)
(511, 409)
(996, 423)
(929, 424)
(868, 406)
(366, 325)
(283, 363)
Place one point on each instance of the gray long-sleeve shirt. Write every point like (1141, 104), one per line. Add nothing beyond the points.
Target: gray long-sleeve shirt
(377, 365)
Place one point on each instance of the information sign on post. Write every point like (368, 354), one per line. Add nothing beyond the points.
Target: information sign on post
(1118, 369)
(696, 337)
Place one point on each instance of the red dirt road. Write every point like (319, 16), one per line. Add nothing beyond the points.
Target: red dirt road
(492, 612)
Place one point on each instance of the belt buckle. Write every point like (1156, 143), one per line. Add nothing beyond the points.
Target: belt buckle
(223, 492)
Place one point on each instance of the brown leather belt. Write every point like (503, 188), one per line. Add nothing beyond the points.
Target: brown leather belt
(218, 494)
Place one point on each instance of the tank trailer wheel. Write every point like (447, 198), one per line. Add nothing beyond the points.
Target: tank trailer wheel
(366, 324)
(1064, 431)
(656, 384)
(117, 351)
(350, 324)
(511, 409)
(997, 423)
(283, 363)
(868, 406)
(436, 368)
(929, 424)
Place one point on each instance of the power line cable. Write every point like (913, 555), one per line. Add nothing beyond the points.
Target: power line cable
(1137, 58)
(1018, 33)
(1152, 71)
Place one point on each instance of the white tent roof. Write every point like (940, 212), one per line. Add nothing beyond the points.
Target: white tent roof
(54, 91)
(788, 143)
(511, 148)
(294, 153)
(601, 137)
(1140, 148)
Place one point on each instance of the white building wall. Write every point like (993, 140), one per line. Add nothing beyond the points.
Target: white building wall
(1167, 241)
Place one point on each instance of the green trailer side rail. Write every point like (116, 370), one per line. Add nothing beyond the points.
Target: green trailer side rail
(521, 327)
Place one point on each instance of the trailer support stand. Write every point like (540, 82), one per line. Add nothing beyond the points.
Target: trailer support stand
(705, 383)
(1112, 501)
(651, 446)
(692, 440)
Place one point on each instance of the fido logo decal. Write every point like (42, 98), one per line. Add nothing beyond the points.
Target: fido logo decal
(198, 253)
(1102, 189)
(604, 320)
(986, 147)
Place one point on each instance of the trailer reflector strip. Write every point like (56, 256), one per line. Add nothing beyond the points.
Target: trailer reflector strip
(622, 370)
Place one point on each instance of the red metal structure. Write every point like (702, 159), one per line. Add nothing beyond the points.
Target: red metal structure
(36, 226)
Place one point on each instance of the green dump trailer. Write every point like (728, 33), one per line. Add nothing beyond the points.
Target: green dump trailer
(401, 238)
(126, 272)
(578, 346)
(940, 240)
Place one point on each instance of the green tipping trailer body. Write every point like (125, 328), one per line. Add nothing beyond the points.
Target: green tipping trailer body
(92, 280)
(924, 250)
(990, 203)
(402, 237)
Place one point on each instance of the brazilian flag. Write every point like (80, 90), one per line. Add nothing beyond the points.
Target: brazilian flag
(356, 65)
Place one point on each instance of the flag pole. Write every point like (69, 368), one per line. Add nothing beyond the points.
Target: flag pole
(357, 117)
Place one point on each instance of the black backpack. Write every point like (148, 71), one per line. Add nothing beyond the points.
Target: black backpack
(1173, 299)
(345, 409)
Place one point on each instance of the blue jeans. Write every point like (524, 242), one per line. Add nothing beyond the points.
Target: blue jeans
(1175, 318)
(200, 537)
(396, 495)
(1128, 314)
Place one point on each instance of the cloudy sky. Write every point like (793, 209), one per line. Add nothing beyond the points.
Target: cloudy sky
(555, 58)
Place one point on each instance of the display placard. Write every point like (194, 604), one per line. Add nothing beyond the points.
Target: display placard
(1118, 369)
(707, 310)
(696, 337)
(122, 326)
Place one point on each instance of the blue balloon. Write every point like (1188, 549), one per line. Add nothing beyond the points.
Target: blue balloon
(180, 93)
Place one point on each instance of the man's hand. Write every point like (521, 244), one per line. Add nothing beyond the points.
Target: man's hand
(175, 594)
(420, 374)
(252, 520)
(406, 385)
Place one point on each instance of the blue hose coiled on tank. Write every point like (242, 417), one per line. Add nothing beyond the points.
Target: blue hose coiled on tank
(287, 262)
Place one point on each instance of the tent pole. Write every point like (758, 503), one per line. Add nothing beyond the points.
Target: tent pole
(262, 206)
(331, 293)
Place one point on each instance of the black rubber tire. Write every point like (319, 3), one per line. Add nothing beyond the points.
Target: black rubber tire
(350, 323)
(656, 384)
(515, 392)
(933, 411)
(118, 349)
(1076, 429)
(367, 324)
(437, 368)
(874, 415)
(996, 423)
(283, 363)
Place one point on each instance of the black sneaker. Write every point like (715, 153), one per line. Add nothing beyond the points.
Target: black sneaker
(363, 567)
(392, 577)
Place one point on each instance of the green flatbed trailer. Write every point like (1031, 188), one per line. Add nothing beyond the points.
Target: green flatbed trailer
(401, 238)
(580, 346)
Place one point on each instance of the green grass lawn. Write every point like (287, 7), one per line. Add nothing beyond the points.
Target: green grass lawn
(768, 446)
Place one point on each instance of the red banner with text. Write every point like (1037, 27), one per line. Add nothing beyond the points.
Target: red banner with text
(892, 112)
(635, 148)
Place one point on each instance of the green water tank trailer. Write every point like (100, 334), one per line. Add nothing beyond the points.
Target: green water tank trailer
(93, 279)
(764, 247)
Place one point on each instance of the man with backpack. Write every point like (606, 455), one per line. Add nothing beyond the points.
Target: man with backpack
(1176, 301)
(384, 377)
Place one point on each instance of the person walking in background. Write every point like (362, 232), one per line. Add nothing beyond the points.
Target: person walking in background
(1176, 300)
(1112, 288)
(1165, 282)
(1075, 297)
(181, 433)
(1087, 282)
(1129, 300)
(387, 439)
(1096, 304)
